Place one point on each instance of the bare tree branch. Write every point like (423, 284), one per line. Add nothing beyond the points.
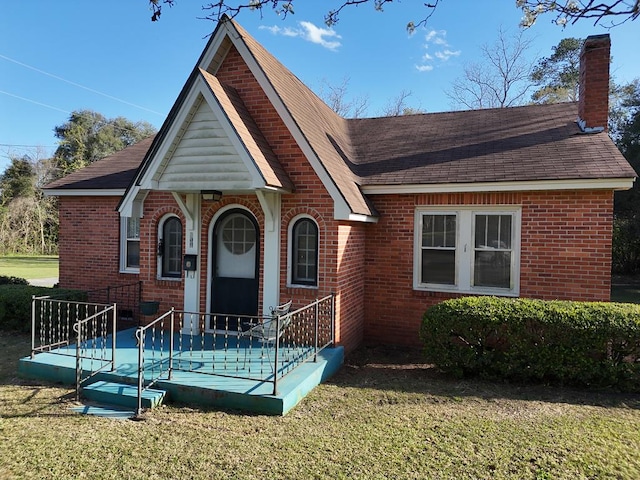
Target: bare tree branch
(335, 96)
(566, 11)
(500, 80)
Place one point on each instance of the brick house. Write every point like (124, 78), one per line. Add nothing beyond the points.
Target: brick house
(255, 192)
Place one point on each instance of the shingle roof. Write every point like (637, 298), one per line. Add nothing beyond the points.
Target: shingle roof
(326, 132)
(531, 143)
(114, 172)
(537, 142)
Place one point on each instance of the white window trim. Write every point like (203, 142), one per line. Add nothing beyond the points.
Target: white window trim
(123, 248)
(158, 257)
(290, 283)
(464, 266)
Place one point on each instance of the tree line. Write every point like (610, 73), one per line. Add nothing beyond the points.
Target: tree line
(28, 218)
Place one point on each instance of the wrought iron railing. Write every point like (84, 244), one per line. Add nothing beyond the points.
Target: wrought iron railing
(154, 339)
(53, 316)
(82, 330)
(95, 345)
(230, 345)
(126, 296)
(52, 323)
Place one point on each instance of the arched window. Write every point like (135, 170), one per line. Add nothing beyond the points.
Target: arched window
(304, 252)
(170, 248)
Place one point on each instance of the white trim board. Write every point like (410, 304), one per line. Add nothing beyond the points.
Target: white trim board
(537, 185)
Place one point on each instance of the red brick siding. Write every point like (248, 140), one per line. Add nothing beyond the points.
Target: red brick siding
(565, 254)
(170, 293)
(310, 198)
(595, 60)
(90, 243)
(351, 284)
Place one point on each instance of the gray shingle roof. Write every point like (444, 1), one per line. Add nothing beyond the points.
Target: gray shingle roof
(537, 142)
(114, 172)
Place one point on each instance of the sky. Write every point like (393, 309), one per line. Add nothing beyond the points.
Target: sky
(67, 55)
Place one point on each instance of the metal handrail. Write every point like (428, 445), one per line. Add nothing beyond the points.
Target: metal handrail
(59, 328)
(303, 322)
(77, 328)
(140, 338)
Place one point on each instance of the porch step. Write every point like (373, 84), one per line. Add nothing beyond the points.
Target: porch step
(104, 411)
(112, 393)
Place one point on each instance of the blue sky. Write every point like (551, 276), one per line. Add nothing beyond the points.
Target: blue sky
(56, 57)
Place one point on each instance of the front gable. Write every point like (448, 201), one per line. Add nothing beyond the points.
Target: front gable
(208, 143)
(211, 141)
(187, 164)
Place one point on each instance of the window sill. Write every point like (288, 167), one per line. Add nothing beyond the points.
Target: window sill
(169, 279)
(134, 271)
(307, 287)
(499, 292)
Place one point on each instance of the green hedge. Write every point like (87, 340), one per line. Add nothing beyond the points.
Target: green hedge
(5, 280)
(15, 304)
(557, 342)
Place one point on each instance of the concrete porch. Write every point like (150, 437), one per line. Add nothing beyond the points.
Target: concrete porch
(216, 374)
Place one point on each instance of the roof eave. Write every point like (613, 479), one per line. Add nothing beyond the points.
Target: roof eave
(83, 192)
(623, 183)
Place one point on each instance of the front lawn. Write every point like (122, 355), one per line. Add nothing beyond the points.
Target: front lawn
(384, 415)
(31, 267)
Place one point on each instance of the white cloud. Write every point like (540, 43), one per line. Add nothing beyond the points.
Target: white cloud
(436, 42)
(446, 54)
(436, 36)
(325, 37)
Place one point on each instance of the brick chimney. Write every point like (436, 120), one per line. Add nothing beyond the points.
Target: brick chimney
(593, 103)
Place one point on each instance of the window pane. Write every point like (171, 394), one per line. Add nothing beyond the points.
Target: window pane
(304, 255)
(238, 234)
(493, 231)
(172, 251)
(439, 266)
(133, 253)
(492, 269)
(439, 231)
(133, 227)
(492, 261)
(438, 249)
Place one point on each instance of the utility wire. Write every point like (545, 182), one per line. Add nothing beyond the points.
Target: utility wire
(76, 85)
(33, 101)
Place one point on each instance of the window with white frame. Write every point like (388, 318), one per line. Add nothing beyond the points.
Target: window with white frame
(170, 248)
(465, 249)
(303, 241)
(129, 244)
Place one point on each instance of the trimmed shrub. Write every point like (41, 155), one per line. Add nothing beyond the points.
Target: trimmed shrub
(15, 304)
(4, 280)
(557, 342)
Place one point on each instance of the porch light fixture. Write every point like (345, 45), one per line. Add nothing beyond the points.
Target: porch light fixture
(214, 195)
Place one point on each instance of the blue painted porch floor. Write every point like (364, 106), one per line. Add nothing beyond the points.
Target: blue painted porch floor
(199, 386)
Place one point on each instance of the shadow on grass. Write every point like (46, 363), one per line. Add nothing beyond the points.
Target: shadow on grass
(381, 368)
(404, 370)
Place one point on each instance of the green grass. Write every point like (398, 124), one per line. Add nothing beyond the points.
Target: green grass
(31, 267)
(384, 415)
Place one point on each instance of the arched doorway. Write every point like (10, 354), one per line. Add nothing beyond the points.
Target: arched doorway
(235, 255)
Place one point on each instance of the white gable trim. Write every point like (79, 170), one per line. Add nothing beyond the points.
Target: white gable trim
(341, 209)
(199, 88)
(536, 185)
